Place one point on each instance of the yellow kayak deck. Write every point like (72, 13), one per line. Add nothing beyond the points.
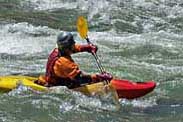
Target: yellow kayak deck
(8, 83)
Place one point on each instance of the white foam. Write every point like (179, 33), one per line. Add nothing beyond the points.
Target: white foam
(142, 103)
(52, 4)
(24, 38)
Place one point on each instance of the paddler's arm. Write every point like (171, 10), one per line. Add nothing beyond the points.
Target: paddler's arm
(66, 68)
(83, 78)
(85, 48)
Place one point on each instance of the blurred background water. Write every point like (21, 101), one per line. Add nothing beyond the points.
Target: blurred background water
(139, 40)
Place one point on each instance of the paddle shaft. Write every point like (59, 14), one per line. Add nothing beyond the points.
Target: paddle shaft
(99, 65)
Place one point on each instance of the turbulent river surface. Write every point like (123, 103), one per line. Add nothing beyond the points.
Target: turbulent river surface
(139, 40)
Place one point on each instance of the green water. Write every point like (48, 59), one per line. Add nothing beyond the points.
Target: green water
(137, 40)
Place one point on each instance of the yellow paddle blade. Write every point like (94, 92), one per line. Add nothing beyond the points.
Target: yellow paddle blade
(82, 27)
(102, 90)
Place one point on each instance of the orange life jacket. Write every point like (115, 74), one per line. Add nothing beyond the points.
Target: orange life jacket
(51, 78)
(50, 75)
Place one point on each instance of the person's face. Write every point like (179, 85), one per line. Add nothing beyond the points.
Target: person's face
(70, 50)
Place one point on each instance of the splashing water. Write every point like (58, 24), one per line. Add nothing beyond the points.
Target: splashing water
(138, 40)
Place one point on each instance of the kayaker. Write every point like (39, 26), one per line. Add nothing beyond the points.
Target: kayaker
(61, 68)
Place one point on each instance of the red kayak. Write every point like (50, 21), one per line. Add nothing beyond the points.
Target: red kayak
(130, 90)
(125, 88)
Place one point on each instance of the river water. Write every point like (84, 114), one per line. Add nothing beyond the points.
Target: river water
(139, 40)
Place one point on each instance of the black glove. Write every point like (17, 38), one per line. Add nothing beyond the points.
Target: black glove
(104, 76)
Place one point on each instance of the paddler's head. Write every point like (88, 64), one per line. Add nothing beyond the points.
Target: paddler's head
(65, 43)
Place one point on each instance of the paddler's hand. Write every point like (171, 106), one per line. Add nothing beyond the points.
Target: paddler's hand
(94, 48)
(89, 48)
(105, 76)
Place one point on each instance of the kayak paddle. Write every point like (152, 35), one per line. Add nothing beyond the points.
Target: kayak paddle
(82, 28)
